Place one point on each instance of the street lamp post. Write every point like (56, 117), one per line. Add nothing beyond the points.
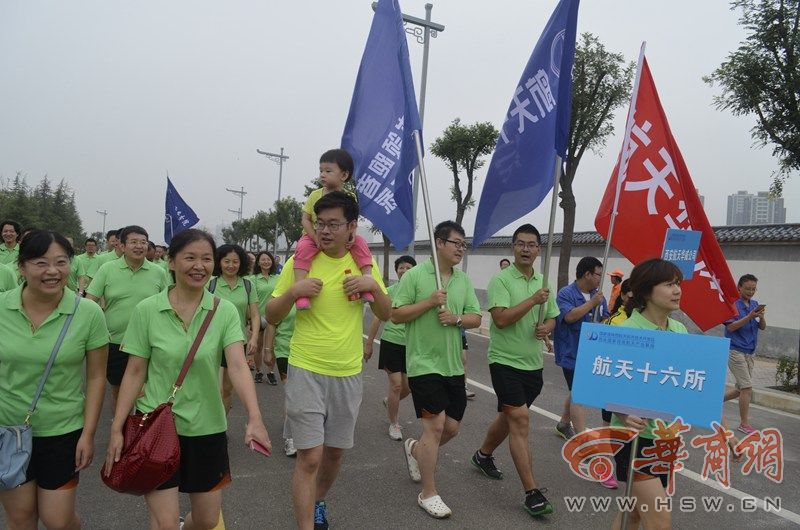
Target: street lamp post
(241, 193)
(424, 30)
(277, 158)
(104, 213)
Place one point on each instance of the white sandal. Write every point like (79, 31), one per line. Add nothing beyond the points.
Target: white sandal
(435, 506)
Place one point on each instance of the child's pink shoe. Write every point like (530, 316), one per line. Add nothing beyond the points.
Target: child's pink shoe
(302, 303)
(367, 297)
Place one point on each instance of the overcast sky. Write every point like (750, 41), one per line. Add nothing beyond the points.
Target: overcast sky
(110, 95)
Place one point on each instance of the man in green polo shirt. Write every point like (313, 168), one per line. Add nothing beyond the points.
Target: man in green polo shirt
(123, 283)
(434, 320)
(9, 248)
(114, 251)
(517, 296)
(85, 260)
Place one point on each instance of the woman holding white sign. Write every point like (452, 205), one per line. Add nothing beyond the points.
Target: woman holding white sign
(656, 286)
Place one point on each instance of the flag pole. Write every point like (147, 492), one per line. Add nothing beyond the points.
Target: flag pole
(553, 206)
(621, 170)
(423, 179)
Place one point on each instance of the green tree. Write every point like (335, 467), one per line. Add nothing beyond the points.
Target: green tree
(461, 148)
(762, 78)
(288, 215)
(263, 226)
(601, 83)
(238, 233)
(41, 206)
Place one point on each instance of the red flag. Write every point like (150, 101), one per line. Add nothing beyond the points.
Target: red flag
(657, 193)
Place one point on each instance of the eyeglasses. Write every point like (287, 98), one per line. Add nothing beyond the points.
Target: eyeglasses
(522, 245)
(458, 244)
(332, 225)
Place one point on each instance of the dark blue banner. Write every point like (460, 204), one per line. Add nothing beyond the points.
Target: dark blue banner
(535, 130)
(179, 216)
(378, 134)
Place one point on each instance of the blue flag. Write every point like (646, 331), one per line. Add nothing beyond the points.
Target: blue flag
(178, 216)
(536, 129)
(378, 134)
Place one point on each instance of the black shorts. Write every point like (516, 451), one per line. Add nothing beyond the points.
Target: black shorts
(623, 457)
(115, 367)
(204, 464)
(434, 393)
(392, 357)
(515, 387)
(52, 463)
(569, 374)
(283, 365)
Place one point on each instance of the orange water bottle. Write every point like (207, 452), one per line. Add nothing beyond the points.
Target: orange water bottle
(352, 297)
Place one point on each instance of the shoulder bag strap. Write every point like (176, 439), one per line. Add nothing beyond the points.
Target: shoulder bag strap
(51, 360)
(193, 350)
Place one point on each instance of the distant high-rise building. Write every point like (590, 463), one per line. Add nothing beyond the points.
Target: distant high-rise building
(748, 209)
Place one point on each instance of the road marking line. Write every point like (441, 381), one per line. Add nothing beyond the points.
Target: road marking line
(688, 473)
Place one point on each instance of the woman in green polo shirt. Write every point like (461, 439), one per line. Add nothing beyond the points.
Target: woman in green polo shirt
(264, 281)
(31, 318)
(161, 331)
(656, 287)
(392, 358)
(230, 283)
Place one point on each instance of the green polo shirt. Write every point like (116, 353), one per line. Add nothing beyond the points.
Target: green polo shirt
(430, 347)
(157, 333)
(237, 296)
(24, 354)
(394, 333)
(283, 334)
(516, 345)
(264, 288)
(8, 256)
(92, 266)
(85, 262)
(8, 278)
(122, 289)
(636, 320)
(74, 273)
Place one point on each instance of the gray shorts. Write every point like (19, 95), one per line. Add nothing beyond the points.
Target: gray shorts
(322, 409)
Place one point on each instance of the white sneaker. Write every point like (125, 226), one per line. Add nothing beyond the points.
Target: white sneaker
(411, 462)
(288, 447)
(395, 432)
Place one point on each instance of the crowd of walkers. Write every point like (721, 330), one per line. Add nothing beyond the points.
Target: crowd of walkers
(129, 315)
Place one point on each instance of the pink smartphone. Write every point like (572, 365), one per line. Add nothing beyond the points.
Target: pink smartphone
(257, 447)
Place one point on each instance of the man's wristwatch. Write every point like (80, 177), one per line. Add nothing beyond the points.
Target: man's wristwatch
(459, 322)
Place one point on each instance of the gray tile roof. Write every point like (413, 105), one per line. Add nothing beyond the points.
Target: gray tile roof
(783, 233)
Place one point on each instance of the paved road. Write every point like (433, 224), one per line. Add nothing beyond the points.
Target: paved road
(374, 491)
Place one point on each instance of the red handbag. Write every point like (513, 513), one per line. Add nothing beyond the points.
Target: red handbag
(151, 452)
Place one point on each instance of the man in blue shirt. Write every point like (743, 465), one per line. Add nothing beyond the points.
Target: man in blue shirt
(577, 303)
(743, 332)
